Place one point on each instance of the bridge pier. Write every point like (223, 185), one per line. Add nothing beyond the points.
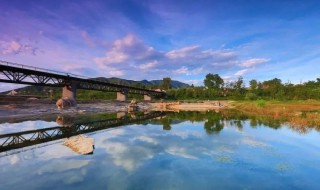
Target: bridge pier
(147, 97)
(122, 96)
(69, 92)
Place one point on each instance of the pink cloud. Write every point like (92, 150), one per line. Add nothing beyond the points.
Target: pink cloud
(148, 65)
(131, 55)
(16, 47)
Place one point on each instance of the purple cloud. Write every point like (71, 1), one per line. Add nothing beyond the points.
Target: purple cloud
(16, 47)
(130, 56)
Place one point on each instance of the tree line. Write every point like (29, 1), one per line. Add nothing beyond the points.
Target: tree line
(215, 88)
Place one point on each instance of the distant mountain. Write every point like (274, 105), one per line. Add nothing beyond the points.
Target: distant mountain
(146, 83)
(174, 84)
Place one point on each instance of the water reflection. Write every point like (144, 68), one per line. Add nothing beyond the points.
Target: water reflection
(69, 127)
(214, 122)
(190, 150)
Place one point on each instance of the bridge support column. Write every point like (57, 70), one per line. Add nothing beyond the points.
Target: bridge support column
(122, 96)
(147, 97)
(69, 92)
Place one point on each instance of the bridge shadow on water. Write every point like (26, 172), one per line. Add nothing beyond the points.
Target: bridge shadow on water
(68, 127)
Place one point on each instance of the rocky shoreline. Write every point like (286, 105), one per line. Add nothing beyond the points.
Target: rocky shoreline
(48, 107)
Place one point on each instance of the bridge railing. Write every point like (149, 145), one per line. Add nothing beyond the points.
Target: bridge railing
(41, 69)
(49, 71)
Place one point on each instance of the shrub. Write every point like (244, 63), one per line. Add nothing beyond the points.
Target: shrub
(261, 103)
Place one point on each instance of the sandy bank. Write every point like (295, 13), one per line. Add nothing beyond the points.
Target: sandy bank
(195, 106)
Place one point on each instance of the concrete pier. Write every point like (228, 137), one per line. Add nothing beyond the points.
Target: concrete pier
(147, 97)
(69, 93)
(122, 96)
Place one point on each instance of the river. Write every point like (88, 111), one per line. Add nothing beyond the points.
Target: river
(185, 150)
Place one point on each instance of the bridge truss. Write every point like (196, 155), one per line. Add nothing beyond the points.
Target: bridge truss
(21, 74)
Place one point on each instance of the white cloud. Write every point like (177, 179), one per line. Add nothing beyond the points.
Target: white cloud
(241, 72)
(180, 151)
(130, 56)
(253, 62)
(182, 70)
(183, 52)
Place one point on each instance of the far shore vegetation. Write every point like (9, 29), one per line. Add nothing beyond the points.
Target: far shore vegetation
(215, 88)
(297, 104)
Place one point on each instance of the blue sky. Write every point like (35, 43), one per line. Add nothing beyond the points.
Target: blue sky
(183, 40)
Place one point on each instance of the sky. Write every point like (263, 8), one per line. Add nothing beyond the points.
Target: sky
(152, 39)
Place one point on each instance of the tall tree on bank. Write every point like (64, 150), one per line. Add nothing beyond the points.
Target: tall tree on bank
(253, 84)
(239, 88)
(213, 81)
(166, 83)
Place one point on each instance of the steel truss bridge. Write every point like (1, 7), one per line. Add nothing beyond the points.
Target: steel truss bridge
(33, 137)
(22, 74)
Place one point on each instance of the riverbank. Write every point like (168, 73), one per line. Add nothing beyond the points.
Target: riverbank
(299, 114)
(47, 107)
(187, 106)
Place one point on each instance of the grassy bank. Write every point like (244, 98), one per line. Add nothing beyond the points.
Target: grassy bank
(299, 114)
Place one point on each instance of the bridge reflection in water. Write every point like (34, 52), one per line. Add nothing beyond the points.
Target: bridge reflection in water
(33, 137)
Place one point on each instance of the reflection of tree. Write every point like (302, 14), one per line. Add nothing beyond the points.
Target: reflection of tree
(253, 122)
(214, 124)
(166, 123)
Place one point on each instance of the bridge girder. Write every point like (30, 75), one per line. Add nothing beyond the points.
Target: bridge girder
(11, 73)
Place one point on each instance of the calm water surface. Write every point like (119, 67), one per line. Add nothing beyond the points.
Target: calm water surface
(186, 150)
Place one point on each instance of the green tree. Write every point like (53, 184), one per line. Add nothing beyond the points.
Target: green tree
(253, 84)
(213, 81)
(166, 83)
(239, 88)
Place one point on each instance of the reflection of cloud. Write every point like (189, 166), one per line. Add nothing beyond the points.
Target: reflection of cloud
(147, 139)
(127, 156)
(149, 142)
(180, 151)
(25, 126)
(253, 143)
(224, 159)
(62, 165)
(14, 159)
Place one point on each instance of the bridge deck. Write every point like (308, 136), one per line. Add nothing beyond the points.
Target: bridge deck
(21, 74)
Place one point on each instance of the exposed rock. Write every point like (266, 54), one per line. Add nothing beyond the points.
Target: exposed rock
(66, 102)
(80, 144)
(133, 106)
